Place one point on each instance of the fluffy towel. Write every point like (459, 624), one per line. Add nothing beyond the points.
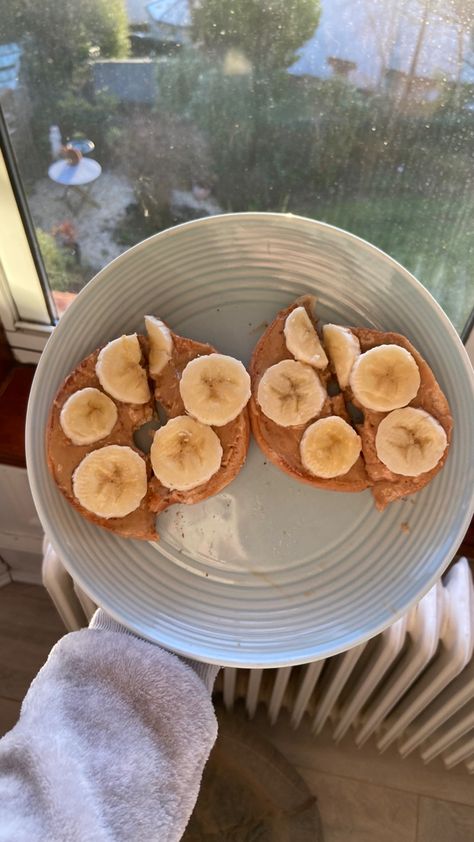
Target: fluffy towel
(113, 736)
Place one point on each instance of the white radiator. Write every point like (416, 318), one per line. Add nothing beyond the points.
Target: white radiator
(412, 685)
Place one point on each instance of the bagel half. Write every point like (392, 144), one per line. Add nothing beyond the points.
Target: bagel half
(386, 485)
(64, 457)
(234, 436)
(281, 444)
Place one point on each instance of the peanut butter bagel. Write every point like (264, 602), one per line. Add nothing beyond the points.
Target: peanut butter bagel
(282, 444)
(92, 416)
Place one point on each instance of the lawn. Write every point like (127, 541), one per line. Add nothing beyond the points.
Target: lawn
(433, 239)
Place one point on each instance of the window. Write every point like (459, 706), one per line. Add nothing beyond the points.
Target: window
(127, 117)
(26, 309)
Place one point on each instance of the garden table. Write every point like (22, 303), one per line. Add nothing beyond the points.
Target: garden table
(76, 177)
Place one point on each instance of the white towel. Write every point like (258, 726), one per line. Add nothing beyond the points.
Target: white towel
(113, 736)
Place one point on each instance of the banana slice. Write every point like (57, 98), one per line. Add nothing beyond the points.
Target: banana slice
(88, 416)
(185, 453)
(329, 447)
(302, 340)
(119, 371)
(410, 441)
(110, 481)
(385, 378)
(215, 388)
(343, 349)
(161, 344)
(290, 393)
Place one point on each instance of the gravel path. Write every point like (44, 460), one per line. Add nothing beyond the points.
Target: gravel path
(94, 225)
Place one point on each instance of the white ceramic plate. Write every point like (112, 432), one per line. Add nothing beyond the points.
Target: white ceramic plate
(269, 572)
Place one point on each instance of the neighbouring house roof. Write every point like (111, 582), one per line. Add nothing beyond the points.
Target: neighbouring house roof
(170, 12)
(9, 66)
(381, 35)
(373, 35)
(136, 11)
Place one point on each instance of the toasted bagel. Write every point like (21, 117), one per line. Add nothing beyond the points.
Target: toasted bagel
(281, 444)
(64, 457)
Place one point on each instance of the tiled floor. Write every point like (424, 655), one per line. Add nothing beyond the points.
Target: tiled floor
(363, 796)
(367, 797)
(29, 626)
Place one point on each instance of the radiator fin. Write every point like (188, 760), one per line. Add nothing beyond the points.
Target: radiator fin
(412, 685)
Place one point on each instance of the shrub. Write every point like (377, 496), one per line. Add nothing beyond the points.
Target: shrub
(269, 138)
(58, 264)
(267, 34)
(274, 139)
(161, 153)
(56, 38)
(97, 119)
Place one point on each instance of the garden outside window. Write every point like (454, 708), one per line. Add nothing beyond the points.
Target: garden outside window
(121, 119)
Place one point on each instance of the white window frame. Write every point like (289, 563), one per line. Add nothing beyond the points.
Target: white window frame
(26, 308)
(25, 312)
(467, 337)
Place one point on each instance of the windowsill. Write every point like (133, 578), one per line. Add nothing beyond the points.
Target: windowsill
(27, 339)
(14, 393)
(62, 300)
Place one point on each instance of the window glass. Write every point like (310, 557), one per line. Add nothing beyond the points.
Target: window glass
(129, 117)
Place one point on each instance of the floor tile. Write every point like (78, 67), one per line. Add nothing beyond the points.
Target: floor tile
(344, 759)
(360, 812)
(443, 821)
(29, 628)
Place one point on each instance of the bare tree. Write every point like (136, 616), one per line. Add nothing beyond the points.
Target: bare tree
(426, 9)
(384, 18)
(460, 14)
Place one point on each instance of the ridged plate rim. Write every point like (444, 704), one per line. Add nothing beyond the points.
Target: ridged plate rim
(188, 641)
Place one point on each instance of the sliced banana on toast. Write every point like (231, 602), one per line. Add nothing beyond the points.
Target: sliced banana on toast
(401, 444)
(343, 350)
(302, 429)
(290, 393)
(111, 481)
(161, 344)
(302, 339)
(410, 441)
(120, 370)
(185, 453)
(90, 440)
(329, 447)
(215, 388)
(384, 378)
(404, 436)
(88, 416)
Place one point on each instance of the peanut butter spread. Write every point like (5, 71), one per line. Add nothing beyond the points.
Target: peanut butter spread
(389, 486)
(281, 444)
(64, 457)
(234, 437)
